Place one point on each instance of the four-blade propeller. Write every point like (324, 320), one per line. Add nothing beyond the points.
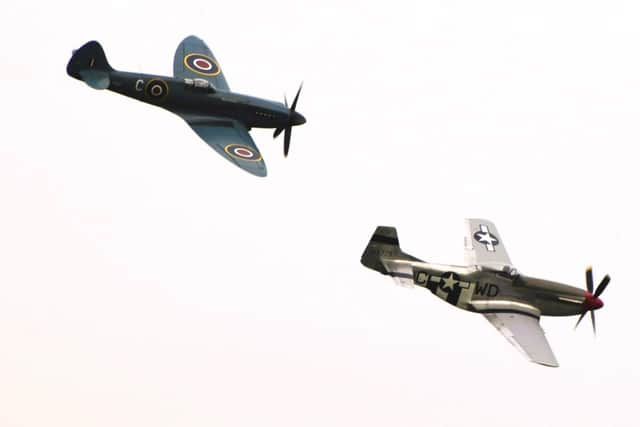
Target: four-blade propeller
(592, 302)
(294, 120)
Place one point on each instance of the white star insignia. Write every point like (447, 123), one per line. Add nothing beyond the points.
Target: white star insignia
(448, 282)
(487, 238)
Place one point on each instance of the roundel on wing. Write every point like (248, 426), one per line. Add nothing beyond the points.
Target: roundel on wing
(202, 64)
(242, 152)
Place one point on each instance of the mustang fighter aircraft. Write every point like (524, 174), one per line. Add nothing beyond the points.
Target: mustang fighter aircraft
(198, 92)
(489, 284)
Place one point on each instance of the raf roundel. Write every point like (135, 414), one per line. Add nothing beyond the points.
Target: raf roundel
(242, 152)
(156, 89)
(202, 64)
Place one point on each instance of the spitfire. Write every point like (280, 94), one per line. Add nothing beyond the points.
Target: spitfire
(198, 92)
(490, 285)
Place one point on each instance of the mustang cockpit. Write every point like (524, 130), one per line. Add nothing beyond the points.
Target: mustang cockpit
(509, 272)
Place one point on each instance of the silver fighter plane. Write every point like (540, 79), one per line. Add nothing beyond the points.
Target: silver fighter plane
(489, 284)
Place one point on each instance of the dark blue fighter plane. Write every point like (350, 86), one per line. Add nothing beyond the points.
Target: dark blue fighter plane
(199, 93)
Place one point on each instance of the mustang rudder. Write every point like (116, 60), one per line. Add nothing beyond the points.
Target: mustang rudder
(383, 244)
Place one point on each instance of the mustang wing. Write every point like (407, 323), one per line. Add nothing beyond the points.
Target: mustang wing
(194, 60)
(525, 333)
(483, 245)
(231, 140)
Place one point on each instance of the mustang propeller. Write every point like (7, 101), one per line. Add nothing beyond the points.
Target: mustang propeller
(591, 301)
(294, 120)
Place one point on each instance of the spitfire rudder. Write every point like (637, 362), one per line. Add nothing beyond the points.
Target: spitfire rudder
(89, 64)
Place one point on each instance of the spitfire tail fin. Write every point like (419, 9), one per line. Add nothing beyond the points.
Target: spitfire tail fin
(89, 64)
(384, 243)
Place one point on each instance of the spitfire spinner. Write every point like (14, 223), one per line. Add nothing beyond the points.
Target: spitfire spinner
(489, 284)
(198, 92)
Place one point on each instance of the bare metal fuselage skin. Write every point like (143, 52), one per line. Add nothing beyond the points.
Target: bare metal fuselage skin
(488, 284)
(479, 289)
(188, 100)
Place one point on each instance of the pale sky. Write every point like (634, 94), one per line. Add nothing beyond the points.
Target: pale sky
(146, 281)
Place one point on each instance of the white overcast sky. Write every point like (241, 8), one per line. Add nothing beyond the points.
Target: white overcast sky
(145, 281)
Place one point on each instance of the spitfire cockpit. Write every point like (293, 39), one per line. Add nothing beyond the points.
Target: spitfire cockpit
(199, 85)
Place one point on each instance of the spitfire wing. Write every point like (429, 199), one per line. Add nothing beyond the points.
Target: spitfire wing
(231, 140)
(194, 60)
(525, 333)
(483, 245)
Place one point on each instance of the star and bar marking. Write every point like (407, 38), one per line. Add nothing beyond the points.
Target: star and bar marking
(485, 237)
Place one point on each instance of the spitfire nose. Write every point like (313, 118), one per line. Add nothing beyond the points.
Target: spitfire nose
(297, 119)
(591, 302)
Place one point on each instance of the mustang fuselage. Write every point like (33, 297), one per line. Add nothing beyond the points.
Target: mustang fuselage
(479, 289)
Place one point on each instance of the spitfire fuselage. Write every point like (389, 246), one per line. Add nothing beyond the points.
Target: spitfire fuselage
(186, 98)
(480, 289)
(200, 95)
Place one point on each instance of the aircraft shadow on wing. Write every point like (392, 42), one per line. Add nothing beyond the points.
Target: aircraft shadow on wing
(489, 284)
(198, 92)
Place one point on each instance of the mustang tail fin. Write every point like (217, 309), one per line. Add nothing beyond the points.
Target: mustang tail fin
(383, 244)
(90, 65)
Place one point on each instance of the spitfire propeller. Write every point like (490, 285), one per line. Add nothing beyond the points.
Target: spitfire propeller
(294, 120)
(591, 301)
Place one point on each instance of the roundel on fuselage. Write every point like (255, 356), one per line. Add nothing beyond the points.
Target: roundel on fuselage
(156, 89)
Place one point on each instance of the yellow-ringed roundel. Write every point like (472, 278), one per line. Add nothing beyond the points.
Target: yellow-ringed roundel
(242, 152)
(202, 64)
(156, 89)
